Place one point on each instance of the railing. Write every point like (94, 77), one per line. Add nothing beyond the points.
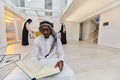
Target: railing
(93, 36)
(8, 59)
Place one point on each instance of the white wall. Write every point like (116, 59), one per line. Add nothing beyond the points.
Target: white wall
(72, 30)
(2, 26)
(85, 34)
(110, 35)
(88, 28)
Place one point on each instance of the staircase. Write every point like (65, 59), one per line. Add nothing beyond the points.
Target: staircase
(93, 37)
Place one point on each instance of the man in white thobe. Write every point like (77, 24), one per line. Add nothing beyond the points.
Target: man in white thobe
(47, 50)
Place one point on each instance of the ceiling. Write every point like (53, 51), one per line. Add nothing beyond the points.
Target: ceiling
(80, 10)
(39, 12)
(42, 8)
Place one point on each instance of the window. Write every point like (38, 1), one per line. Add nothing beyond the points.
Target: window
(48, 5)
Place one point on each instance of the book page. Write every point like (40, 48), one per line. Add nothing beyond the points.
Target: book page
(30, 67)
(34, 66)
(35, 69)
(47, 71)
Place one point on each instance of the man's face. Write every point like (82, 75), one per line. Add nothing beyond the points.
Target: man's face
(46, 31)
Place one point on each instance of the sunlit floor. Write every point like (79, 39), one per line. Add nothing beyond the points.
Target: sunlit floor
(89, 61)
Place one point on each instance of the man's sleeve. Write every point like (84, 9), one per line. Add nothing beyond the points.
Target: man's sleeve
(35, 51)
(60, 50)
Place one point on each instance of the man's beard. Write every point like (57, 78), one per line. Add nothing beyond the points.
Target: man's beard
(46, 36)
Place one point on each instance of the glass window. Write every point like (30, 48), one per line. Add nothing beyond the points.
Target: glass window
(48, 5)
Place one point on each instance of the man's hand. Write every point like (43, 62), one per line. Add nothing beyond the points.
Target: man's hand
(60, 64)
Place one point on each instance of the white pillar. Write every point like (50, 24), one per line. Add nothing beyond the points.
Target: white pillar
(72, 30)
(3, 41)
(16, 28)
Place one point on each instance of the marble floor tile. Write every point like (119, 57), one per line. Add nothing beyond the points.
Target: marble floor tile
(89, 61)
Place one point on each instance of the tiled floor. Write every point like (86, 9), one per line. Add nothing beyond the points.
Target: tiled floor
(89, 61)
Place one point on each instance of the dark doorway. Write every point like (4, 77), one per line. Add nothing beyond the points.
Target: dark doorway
(80, 31)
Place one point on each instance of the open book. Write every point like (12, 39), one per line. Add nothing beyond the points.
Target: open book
(35, 70)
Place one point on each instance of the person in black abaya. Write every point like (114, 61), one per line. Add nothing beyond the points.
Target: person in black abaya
(25, 32)
(63, 34)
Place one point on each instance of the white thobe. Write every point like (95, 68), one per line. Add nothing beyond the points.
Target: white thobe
(41, 47)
